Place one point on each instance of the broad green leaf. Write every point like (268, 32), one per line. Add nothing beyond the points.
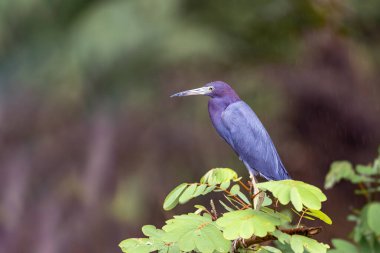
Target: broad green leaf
(195, 232)
(150, 230)
(373, 220)
(219, 176)
(267, 201)
(209, 189)
(225, 185)
(283, 217)
(156, 238)
(281, 237)
(270, 249)
(187, 194)
(171, 200)
(235, 189)
(283, 196)
(342, 246)
(299, 242)
(296, 199)
(296, 245)
(297, 192)
(246, 223)
(320, 215)
(339, 170)
(136, 245)
(365, 170)
(362, 230)
(200, 189)
(154, 243)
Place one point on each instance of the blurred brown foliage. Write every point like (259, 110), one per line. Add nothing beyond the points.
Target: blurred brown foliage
(90, 142)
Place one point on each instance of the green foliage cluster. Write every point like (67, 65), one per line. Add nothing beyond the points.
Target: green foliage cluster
(239, 227)
(366, 233)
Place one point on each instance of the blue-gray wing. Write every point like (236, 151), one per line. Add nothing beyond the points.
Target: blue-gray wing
(248, 137)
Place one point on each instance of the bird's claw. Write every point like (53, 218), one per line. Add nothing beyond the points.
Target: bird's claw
(237, 242)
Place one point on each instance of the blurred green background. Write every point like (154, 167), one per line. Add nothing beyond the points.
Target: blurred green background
(91, 143)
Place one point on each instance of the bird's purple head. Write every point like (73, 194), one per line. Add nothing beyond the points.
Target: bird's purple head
(217, 89)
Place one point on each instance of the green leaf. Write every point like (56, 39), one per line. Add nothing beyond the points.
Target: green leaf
(342, 246)
(296, 245)
(244, 198)
(136, 245)
(373, 220)
(195, 232)
(299, 242)
(283, 217)
(320, 215)
(235, 189)
(232, 201)
(225, 185)
(339, 170)
(154, 243)
(150, 230)
(295, 197)
(365, 170)
(246, 223)
(200, 208)
(270, 249)
(209, 189)
(187, 194)
(171, 200)
(229, 209)
(267, 201)
(363, 231)
(282, 237)
(219, 176)
(200, 189)
(308, 217)
(297, 192)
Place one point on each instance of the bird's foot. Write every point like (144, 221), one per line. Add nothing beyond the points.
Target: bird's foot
(238, 243)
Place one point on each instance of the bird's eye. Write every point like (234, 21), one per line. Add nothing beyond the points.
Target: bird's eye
(210, 88)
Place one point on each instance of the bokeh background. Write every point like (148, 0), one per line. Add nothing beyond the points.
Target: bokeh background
(91, 143)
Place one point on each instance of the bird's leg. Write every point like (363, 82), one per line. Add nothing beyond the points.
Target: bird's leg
(259, 196)
(236, 243)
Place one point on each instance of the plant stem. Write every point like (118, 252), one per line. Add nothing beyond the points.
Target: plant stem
(244, 186)
(299, 221)
(365, 192)
(241, 202)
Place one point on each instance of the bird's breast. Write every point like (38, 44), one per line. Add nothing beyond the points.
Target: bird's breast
(216, 109)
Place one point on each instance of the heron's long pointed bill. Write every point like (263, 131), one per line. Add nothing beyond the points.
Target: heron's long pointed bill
(198, 91)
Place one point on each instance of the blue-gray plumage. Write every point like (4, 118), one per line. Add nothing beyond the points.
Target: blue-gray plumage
(239, 126)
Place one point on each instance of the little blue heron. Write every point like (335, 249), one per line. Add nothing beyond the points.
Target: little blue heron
(239, 126)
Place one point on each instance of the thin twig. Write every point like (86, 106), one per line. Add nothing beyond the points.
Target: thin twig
(254, 196)
(241, 202)
(244, 186)
(299, 221)
(230, 200)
